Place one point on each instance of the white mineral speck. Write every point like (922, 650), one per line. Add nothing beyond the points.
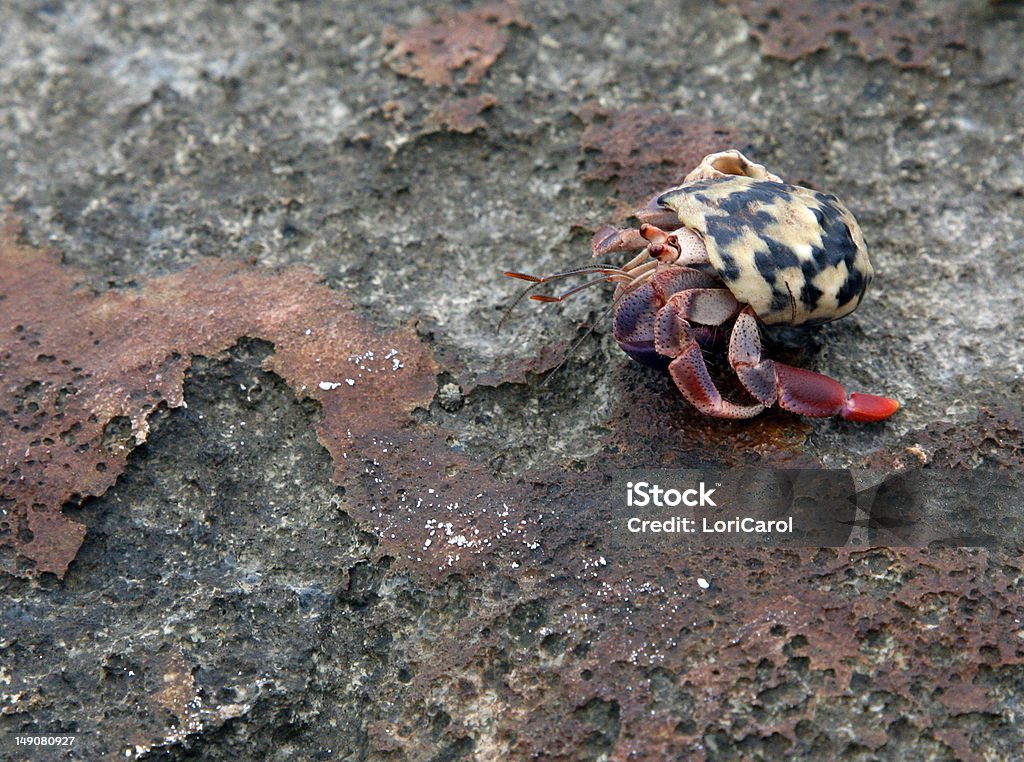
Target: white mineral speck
(328, 385)
(703, 583)
(350, 381)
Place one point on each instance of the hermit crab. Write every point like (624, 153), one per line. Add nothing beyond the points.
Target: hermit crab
(731, 249)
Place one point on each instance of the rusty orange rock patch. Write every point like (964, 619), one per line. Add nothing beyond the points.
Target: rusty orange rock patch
(461, 115)
(83, 373)
(643, 150)
(471, 40)
(903, 33)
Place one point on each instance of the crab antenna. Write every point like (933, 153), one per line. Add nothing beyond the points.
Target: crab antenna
(536, 280)
(515, 303)
(585, 270)
(575, 346)
(570, 292)
(579, 342)
(633, 281)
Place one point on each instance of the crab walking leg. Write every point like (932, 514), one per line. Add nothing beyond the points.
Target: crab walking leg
(637, 306)
(795, 389)
(673, 336)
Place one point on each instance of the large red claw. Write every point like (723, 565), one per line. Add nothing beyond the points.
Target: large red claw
(806, 392)
(868, 408)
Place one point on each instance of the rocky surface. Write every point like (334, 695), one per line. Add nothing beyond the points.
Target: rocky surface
(261, 578)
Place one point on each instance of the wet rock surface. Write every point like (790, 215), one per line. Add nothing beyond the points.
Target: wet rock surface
(265, 580)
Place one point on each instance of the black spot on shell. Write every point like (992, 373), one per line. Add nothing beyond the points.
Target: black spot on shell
(766, 265)
(819, 261)
(779, 255)
(726, 231)
(729, 271)
(665, 199)
(809, 293)
(740, 201)
(853, 288)
(781, 300)
(836, 241)
(809, 296)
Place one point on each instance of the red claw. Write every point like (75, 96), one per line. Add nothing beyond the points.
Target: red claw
(812, 394)
(868, 408)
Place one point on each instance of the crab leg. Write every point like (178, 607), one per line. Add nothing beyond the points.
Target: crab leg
(674, 337)
(795, 389)
(637, 309)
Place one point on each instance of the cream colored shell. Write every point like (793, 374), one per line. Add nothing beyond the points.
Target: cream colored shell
(727, 163)
(793, 254)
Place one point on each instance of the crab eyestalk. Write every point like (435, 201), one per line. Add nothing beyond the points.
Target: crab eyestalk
(662, 246)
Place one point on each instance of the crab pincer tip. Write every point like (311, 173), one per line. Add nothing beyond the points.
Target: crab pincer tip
(868, 408)
(602, 239)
